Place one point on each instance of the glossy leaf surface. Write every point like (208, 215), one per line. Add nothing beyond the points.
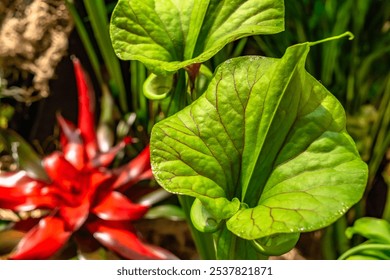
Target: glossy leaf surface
(264, 148)
(169, 35)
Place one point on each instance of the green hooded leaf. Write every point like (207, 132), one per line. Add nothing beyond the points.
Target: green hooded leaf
(265, 148)
(374, 229)
(277, 244)
(158, 87)
(167, 35)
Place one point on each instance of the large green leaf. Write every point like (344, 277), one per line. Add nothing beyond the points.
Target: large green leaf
(167, 35)
(264, 148)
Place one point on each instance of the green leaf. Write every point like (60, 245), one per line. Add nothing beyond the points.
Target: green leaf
(167, 35)
(167, 211)
(202, 219)
(376, 230)
(367, 250)
(264, 148)
(364, 258)
(158, 87)
(228, 246)
(23, 154)
(277, 244)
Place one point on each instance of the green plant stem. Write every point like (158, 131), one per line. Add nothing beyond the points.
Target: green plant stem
(363, 75)
(381, 127)
(332, 53)
(340, 238)
(352, 102)
(239, 48)
(178, 98)
(327, 244)
(386, 211)
(81, 30)
(203, 241)
(228, 246)
(362, 247)
(268, 51)
(97, 14)
(139, 101)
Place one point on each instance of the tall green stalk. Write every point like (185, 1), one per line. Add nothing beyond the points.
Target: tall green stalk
(381, 131)
(139, 101)
(98, 16)
(80, 27)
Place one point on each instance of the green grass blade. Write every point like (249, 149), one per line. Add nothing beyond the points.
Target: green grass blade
(85, 40)
(98, 16)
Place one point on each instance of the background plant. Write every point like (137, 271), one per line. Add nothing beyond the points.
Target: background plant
(377, 245)
(79, 197)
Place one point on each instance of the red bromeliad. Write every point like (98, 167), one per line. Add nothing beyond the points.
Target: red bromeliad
(82, 196)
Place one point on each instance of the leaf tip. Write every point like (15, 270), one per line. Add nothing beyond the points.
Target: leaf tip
(345, 34)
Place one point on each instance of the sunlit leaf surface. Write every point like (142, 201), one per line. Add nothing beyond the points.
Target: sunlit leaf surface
(167, 35)
(265, 148)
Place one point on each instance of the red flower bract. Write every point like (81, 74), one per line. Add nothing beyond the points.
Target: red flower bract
(80, 193)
